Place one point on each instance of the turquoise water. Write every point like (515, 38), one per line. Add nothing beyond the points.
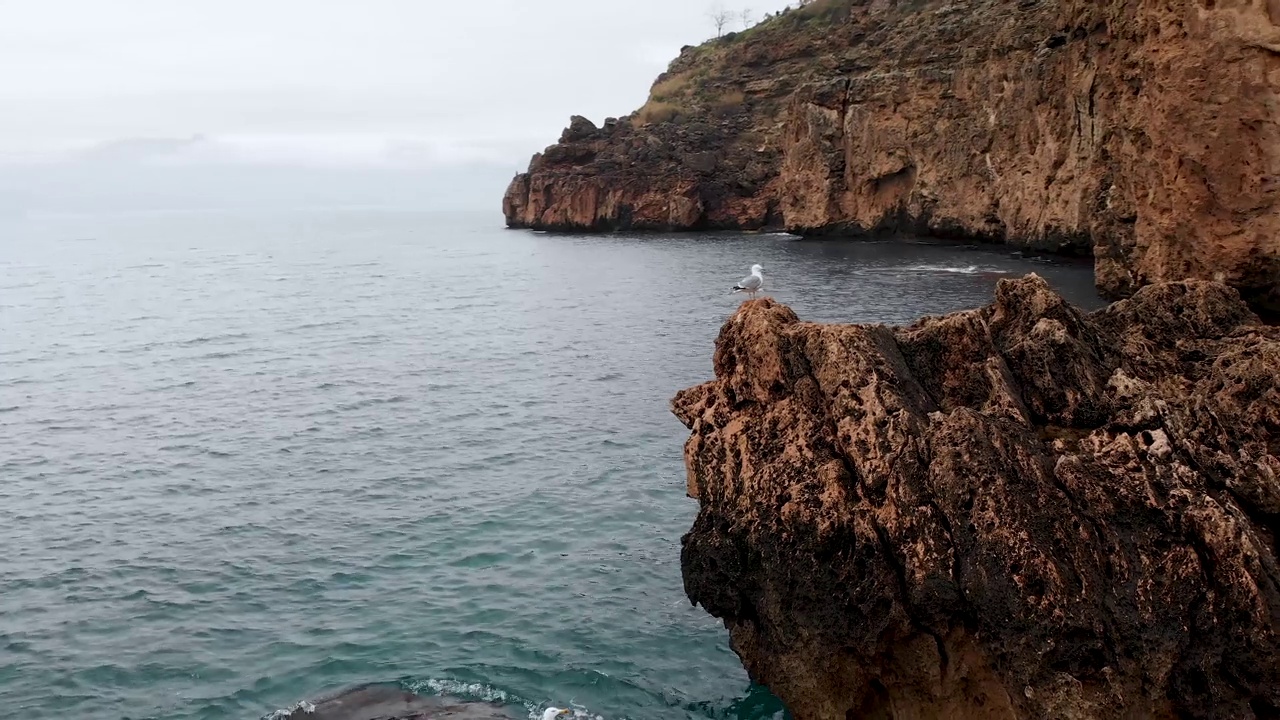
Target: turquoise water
(253, 458)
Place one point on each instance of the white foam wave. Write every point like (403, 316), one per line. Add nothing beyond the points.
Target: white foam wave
(469, 691)
(487, 693)
(966, 270)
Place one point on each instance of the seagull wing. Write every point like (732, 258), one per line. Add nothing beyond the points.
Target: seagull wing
(748, 284)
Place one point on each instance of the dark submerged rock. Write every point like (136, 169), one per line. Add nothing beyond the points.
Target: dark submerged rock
(389, 702)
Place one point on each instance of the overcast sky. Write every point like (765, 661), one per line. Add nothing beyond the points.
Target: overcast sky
(331, 81)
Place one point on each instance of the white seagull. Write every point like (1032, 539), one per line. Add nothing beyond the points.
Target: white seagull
(753, 283)
(554, 714)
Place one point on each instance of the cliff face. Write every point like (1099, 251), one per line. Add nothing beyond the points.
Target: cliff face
(1144, 132)
(1020, 511)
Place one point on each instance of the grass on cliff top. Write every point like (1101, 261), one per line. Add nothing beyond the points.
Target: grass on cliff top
(686, 93)
(695, 83)
(671, 108)
(821, 11)
(671, 87)
(656, 112)
(812, 14)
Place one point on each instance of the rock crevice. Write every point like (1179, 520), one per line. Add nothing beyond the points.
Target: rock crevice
(1021, 511)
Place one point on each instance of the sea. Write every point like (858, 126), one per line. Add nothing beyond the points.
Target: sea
(253, 458)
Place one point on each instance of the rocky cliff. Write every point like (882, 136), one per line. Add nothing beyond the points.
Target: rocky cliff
(1144, 133)
(1021, 511)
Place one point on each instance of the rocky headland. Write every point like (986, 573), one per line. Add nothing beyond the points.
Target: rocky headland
(1016, 512)
(1144, 134)
(1021, 511)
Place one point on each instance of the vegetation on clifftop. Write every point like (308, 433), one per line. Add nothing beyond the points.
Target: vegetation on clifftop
(709, 79)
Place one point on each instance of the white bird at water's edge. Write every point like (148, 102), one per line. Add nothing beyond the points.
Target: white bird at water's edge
(753, 283)
(554, 714)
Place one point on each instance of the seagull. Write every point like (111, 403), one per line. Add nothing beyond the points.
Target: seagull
(554, 714)
(753, 283)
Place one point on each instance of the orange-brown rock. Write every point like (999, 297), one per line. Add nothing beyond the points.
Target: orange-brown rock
(1021, 511)
(1144, 133)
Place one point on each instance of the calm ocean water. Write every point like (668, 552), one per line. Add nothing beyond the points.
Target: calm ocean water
(248, 459)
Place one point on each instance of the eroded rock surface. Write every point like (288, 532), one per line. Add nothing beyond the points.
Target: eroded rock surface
(1021, 511)
(1145, 133)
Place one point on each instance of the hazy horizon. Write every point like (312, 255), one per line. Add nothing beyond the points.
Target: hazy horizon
(232, 102)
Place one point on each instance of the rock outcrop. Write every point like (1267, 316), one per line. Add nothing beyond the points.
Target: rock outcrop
(1021, 511)
(1145, 133)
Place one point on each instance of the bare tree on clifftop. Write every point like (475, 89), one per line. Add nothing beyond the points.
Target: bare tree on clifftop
(746, 18)
(720, 17)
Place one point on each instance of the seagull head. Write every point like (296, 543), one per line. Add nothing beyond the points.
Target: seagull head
(554, 714)
(757, 269)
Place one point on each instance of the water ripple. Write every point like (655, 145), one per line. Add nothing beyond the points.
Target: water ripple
(250, 460)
